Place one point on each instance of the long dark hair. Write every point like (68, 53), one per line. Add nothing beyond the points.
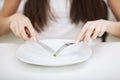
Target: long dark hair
(39, 11)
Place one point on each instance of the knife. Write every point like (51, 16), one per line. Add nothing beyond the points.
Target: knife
(39, 42)
(45, 46)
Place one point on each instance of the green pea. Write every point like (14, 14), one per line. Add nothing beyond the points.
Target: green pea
(55, 55)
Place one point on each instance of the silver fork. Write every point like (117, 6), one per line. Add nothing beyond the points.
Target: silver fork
(61, 48)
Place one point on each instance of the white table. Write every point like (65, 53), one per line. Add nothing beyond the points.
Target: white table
(103, 65)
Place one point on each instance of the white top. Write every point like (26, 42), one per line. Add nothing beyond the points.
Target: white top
(62, 28)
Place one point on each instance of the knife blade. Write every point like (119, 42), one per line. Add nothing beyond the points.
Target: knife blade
(46, 47)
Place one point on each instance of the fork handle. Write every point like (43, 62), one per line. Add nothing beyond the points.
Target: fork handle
(59, 50)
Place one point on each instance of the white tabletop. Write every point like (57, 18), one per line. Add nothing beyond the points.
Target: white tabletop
(103, 65)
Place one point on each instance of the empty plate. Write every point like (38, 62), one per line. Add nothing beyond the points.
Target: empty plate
(31, 52)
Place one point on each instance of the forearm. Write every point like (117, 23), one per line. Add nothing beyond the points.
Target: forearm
(4, 25)
(115, 7)
(9, 8)
(114, 29)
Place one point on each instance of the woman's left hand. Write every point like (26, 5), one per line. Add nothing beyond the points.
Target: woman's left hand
(92, 29)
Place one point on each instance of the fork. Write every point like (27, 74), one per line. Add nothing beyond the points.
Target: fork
(61, 48)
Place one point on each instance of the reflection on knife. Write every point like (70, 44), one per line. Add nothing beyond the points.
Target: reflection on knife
(45, 46)
(39, 42)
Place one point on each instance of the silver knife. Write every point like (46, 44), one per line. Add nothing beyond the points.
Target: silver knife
(45, 46)
(39, 42)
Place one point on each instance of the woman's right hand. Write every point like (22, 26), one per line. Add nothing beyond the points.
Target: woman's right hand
(18, 23)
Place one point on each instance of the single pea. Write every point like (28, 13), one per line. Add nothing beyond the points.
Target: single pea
(54, 55)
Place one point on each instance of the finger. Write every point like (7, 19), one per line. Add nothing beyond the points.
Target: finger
(88, 36)
(22, 31)
(24, 35)
(82, 33)
(95, 34)
(102, 32)
(86, 39)
(31, 29)
(89, 33)
(27, 32)
(21, 25)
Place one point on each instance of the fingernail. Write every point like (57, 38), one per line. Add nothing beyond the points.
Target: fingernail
(77, 41)
(85, 41)
(34, 38)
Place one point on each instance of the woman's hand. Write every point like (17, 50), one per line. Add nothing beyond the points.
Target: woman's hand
(92, 29)
(18, 23)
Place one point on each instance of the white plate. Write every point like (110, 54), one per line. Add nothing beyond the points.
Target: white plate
(33, 53)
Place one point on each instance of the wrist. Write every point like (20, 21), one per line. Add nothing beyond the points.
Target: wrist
(110, 26)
